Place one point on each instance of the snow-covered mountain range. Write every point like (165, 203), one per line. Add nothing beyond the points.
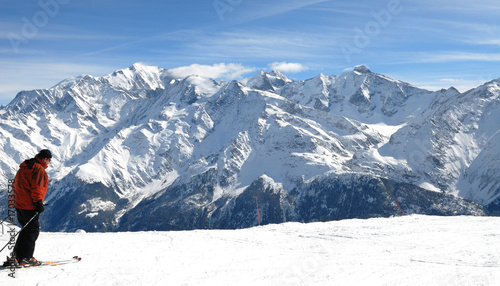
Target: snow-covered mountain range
(141, 149)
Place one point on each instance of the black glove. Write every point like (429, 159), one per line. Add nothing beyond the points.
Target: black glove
(39, 207)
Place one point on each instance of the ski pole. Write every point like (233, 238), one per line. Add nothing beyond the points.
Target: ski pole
(12, 237)
(9, 215)
(5, 219)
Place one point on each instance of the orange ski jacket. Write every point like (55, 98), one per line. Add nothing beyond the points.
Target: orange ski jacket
(30, 184)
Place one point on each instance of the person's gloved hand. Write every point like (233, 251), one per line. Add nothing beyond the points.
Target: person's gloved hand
(39, 207)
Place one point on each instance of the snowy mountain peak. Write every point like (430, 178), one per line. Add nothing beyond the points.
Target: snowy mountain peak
(279, 78)
(260, 81)
(137, 77)
(267, 81)
(361, 69)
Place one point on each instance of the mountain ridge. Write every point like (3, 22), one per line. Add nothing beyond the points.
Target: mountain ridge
(140, 139)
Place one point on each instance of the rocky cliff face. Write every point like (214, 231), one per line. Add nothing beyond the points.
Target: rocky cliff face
(140, 149)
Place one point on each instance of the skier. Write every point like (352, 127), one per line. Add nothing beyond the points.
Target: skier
(30, 187)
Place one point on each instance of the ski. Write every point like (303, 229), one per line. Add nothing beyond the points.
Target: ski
(74, 259)
(60, 262)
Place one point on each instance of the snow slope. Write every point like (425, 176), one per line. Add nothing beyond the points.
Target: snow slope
(408, 250)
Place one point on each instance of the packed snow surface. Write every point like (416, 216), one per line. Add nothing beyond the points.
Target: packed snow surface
(408, 250)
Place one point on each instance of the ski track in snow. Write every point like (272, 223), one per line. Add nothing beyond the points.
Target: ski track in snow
(409, 250)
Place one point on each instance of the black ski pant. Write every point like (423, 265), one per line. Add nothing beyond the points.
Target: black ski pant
(25, 244)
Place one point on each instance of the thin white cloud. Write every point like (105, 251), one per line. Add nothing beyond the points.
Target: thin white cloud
(450, 80)
(457, 56)
(404, 58)
(287, 67)
(261, 44)
(493, 42)
(254, 10)
(221, 70)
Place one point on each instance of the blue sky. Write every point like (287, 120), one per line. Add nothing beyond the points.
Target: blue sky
(430, 44)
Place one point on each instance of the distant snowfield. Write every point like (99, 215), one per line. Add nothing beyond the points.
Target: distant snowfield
(408, 250)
